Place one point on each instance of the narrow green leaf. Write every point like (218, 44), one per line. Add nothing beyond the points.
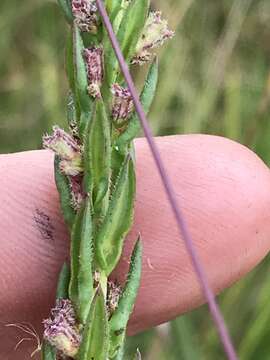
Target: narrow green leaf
(67, 10)
(71, 111)
(95, 340)
(81, 282)
(69, 61)
(81, 81)
(98, 157)
(111, 5)
(63, 282)
(116, 16)
(118, 219)
(150, 86)
(85, 276)
(80, 72)
(85, 118)
(146, 97)
(120, 317)
(63, 188)
(129, 30)
(132, 26)
(48, 351)
(116, 12)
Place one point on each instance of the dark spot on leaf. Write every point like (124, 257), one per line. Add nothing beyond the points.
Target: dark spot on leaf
(119, 332)
(43, 224)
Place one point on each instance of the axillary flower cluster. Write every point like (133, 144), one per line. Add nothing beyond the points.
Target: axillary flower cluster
(95, 177)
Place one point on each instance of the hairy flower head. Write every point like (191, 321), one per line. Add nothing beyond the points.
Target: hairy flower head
(94, 64)
(85, 15)
(122, 104)
(66, 148)
(154, 34)
(61, 330)
(113, 296)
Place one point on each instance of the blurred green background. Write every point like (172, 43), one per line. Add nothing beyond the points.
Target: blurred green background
(214, 78)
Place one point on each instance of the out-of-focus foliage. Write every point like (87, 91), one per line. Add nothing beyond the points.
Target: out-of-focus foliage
(214, 78)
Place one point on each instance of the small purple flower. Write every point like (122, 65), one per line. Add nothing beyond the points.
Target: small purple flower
(155, 32)
(61, 329)
(68, 150)
(94, 64)
(122, 104)
(85, 15)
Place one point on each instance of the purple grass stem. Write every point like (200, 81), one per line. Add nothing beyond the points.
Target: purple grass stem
(182, 225)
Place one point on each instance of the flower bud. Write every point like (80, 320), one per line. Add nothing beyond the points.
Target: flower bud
(122, 104)
(71, 168)
(68, 150)
(76, 189)
(94, 64)
(61, 330)
(113, 296)
(85, 15)
(154, 34)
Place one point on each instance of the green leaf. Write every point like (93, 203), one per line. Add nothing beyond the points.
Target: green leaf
(128, 34)
(71, 111)
(63, 282)
(98, 157)
(67, 10)
(111, 5)
(74, 111)
(69, 61)
(118, 219)
(81, 81)
(146, 98)
(95, 339)
(81, 282)
(132, 26)
(63, 188)
(115, 11)
(150, 86)
(48, 351)
(119, 319)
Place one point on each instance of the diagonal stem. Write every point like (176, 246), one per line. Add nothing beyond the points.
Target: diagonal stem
(182, 225)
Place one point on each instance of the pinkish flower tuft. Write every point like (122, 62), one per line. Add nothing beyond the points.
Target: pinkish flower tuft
(61, 330)
(61, 143)
(68, 150)
(94, 64)
(122, 104)
(155, 32)
(85, 15)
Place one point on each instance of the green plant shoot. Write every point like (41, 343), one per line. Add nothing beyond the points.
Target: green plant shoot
(95, 177)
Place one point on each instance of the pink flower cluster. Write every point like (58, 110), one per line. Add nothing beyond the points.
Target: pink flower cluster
(154, 34)
(61, 330)
(94, 65)
(85, 15)
(122, 104)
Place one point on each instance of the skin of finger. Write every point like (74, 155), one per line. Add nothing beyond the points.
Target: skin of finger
(222, 187)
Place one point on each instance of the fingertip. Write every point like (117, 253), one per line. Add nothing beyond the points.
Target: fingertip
(223, 189)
